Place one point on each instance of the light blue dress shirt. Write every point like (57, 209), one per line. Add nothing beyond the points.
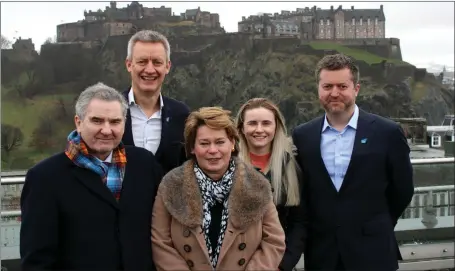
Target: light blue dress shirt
(336, 148)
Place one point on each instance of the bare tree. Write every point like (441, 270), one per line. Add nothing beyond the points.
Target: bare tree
(12, 138)
(6, 43)
(51, 40)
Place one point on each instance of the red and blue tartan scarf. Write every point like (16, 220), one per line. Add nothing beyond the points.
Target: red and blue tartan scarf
(112, 175)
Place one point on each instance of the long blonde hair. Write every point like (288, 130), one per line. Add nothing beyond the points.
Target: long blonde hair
(282, 164)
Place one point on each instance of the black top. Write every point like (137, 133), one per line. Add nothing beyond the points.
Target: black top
(215, 225)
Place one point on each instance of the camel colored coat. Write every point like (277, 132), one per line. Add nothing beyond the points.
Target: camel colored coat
(254, 238)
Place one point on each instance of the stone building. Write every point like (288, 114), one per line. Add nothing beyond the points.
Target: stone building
(22, 50)
(202, 17)
(133, 11)
(97, 30)
(113, 21)
(315, 23)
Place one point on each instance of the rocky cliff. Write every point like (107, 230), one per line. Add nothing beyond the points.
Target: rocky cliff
(228, 70)
(224, 70)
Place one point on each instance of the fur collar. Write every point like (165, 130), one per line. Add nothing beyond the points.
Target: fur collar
(249, 196)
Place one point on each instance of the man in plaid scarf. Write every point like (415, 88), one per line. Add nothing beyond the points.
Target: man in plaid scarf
(89, 207)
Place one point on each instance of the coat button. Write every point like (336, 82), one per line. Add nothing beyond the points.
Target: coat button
(190, 263)
(186, 232)
(187, 248)
(242, 261)
(242, 246)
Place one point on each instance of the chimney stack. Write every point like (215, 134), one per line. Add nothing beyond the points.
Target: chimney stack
(340, 7)
(331, 8)
(381, 7)
(352, 7)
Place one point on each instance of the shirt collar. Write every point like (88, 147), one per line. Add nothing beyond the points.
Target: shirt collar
(352, 122)
(108, 159)
(131, 100)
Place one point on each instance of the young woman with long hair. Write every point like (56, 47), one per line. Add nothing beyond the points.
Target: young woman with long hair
(264, 143)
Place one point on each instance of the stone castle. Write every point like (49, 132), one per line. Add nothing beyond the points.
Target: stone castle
(113, 21)
(318, 24)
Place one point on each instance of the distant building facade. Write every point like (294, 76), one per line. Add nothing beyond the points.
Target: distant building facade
(315, 23)
(114, 21)
(22, 49)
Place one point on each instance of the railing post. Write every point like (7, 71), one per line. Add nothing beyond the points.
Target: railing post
(429, 218)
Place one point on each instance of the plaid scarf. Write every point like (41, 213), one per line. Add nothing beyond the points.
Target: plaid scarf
(111, 175)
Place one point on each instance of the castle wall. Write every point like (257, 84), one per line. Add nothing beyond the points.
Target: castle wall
(70, 32)
(197, 42)
(205, 19)
(67, 59)
(94, 31)
(420, 74)
(276, 44)
(387, 48)
(396, 73)
(117, 28)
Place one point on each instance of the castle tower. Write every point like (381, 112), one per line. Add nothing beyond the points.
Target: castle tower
(306, 31)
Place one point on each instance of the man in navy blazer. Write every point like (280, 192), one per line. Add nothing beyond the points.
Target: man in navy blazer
(357, 177)
(154, 122)
(90, 206)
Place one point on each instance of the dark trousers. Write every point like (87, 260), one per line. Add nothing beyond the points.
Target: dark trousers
(340, 265)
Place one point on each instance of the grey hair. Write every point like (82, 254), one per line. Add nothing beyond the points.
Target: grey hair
(148, 36)
(102, 92)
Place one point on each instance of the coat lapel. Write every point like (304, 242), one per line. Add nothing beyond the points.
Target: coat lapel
(128, 133)
(229, 237)
(165, 120)
(362, 133)
(201, 241)
(94, 183)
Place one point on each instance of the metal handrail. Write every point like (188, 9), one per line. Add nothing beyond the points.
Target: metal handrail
(12, 180)
(434, 188)
(433, 161)
(18, 178)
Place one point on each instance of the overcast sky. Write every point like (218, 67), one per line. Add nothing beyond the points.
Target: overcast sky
(426, 30)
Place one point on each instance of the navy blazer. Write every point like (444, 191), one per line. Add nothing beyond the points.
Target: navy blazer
(171, 151)
(357, 223)
(71, 220)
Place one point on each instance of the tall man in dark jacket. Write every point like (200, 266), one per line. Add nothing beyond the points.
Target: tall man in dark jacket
(90, 207)
(154, 122)
(357, 177)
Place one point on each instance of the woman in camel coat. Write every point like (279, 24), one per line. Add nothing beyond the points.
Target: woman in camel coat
(215, 212)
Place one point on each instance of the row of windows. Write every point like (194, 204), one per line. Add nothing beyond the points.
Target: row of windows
(350, 31)
(376, 21)
(341, 33)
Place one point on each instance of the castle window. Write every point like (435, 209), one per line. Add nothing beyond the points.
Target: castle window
(353, 21)
(361, 21)
(376, 21)
(368, 22)
(328, 22)
(322, 22)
